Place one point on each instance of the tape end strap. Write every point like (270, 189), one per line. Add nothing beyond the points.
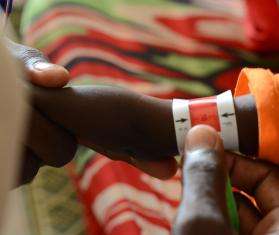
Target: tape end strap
(182, 122)
(227, 119)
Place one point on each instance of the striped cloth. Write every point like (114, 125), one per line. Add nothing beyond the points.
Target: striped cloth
(119, 199)
(235, 7)
(158, 47)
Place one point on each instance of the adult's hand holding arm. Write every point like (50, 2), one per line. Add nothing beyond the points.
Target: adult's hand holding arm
(203, 207)
(46, 143)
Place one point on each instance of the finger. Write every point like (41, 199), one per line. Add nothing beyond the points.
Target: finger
(249, 216)
(54, 145)
(161, 169)
(269, 225)
(258, 179)
(30, 165)
(48, 75)
(203, 208)
(39, 71)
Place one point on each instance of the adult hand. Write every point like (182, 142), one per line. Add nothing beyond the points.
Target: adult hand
(51, 145)
(46, 142)
(203, 207)
(259, 180)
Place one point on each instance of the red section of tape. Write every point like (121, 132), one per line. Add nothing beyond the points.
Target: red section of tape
(204, 111)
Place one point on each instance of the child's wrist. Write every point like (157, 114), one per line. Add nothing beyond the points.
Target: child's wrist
(239, 129)
(153, 117)
(247, 123)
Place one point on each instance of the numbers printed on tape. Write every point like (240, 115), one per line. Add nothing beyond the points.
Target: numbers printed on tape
(216, 111)
(204, 111)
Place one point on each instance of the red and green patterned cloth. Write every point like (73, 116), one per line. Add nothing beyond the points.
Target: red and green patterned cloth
(159, 47)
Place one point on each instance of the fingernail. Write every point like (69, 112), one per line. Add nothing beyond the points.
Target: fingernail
(201, 137)
(43, 66)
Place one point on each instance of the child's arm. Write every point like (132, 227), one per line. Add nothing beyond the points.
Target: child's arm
(247, 123)
(118, 122)
(111, 120)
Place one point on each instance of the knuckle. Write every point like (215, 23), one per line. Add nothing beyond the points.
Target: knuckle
(204, 166)
(31, 55)
(65, 154)
(204, 160)
(27, 55)
(200, 224)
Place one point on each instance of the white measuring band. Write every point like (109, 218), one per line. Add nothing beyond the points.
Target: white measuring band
(227, 119)
(182, 122)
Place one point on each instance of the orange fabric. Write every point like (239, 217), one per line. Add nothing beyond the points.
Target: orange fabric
(262, 24)
(264, 86)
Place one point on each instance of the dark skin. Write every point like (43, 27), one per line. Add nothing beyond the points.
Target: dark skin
(92, 114)
(42, 73)
(247, 123)
(97, 116)
(56, 126)
(203, 206)
(63, 117)
(205, 168)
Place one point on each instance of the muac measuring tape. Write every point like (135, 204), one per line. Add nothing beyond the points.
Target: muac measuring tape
(216, 111)
(219, 113)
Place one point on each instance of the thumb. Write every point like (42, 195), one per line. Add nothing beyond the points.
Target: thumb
(39, 70)
(203, 207)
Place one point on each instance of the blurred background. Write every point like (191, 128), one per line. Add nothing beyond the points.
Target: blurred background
(163, 48)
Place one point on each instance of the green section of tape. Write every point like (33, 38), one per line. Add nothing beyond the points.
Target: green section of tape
(233, 214)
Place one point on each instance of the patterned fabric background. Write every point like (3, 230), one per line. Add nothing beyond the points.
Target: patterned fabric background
(52, 206)
(158, 47)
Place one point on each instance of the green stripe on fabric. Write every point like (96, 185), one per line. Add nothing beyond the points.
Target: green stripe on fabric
(35, 8)
(194, 66)
(51, 36)
(83, 156)
(194, 87)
